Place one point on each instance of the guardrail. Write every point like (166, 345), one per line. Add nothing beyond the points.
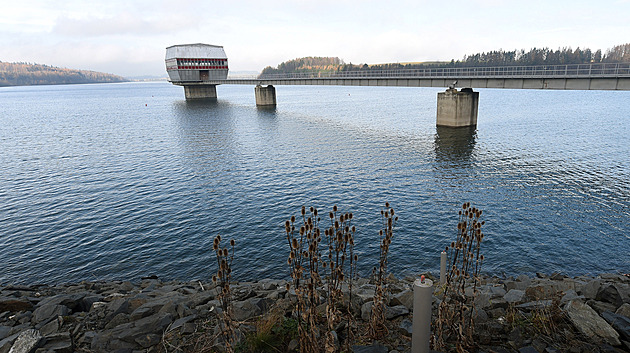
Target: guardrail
(542, 71)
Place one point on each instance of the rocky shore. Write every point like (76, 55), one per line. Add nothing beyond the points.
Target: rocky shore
(540, 314)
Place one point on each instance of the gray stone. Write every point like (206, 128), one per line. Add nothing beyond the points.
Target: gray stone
(148, 340)
(366, 311)
(591, 288)
(406, 327)
(366, 292)
(609, 294)
(624, 310)
(48, 311)
(117, 306)
(482, 300)
(587, 321)
(514, 296)
(480, 316)
(4, 332)
(293, 345)
(5, 344)
(72, 301)
(600, 307)
(249, 308)
(119, 319)
(535, 305)
(403, 298)
(497, 291)
(50, 328)
(27, 342)
(375, 348)
(59, 343)
(528, 349)
(180, 322)
(393, 312)
(570, 295)
(620, 323)
(14, 305)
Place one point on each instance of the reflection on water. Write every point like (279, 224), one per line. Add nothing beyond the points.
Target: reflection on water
(452, 144)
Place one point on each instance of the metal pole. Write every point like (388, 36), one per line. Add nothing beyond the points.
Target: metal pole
(421, 329)
(443, 267)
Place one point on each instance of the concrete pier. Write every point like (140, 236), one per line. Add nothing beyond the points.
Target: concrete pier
(200, 91)
(265, 96)
(457, 108)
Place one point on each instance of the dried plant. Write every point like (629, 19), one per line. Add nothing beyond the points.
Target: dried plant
(222, 279)
(377, 328)
(341, 265)
(303, 261)
(455, 320)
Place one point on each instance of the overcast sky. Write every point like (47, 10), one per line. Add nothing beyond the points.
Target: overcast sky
(129, 37)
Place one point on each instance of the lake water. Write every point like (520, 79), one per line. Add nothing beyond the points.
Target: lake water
(119, 181)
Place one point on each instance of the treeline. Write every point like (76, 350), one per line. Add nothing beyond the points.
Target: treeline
(534, 56)
(26, 74)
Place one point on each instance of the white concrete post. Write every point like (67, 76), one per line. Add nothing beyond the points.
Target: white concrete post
(443, 267)
(421, 330)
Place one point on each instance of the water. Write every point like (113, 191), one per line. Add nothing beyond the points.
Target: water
(119, 181)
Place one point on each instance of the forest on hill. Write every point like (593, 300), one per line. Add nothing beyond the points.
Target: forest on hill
(26, 74)
(534, 56)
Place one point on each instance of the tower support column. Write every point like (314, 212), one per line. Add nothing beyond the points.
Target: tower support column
(265, 96)
(200, 91)
(457, 108)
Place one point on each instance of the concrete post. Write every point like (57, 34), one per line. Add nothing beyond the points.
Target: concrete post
(457, 108)
(421, 329)
(200, 91)
(265, 96)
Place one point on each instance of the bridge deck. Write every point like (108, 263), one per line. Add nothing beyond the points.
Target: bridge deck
(561, 77)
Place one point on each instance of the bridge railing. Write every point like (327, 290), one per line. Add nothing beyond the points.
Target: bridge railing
(542, 71)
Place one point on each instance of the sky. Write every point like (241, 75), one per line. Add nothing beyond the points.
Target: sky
(129, 37)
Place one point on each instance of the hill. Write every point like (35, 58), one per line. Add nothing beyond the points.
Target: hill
(25, 74)
(534, 56)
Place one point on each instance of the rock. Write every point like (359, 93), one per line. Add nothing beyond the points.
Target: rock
(119, 319)
(74, 302)
(497, 291)
(148, 340)
(393, 312)
(570, 295)
(406, 327)
(480, 316)
(624, 310)
(15, 305)
(375, 348)
(482, 300)
(180, 322)
(366, 310)
(528, 349)
(536, 305)
(293, 345)
(587, 321)
(26, 342)
(591, 288)
(117, 306)
(403, 298)
(620, 323)
(50, 328)
(249, 308)
(514, 296)
(540, 291)
(48, 311)
(5, 344)
(600, 307)
(4, 332)
(366, 292)
(609, 294)
(59, 343)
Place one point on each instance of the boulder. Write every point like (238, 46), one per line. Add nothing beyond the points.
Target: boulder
(403, 298)
(4, 332)
(393, 312)
(48, 311)
(74, 302)
(587, 321)
(59, 343)
(600, 307)
(624, 310)
(406, 327)
(15, 305)
(620, 323)
(514, 296)
(609, 294)
(366, 310)
(374, 348)
(591, 289)
(249, 308)
(27, 342)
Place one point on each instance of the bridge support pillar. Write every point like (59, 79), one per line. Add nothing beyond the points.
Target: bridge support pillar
(265, 96)
(201, 91)
(457, 108)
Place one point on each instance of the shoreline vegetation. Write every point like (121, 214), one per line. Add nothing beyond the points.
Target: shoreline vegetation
(26, 74)
(325, 306)
(532, 57)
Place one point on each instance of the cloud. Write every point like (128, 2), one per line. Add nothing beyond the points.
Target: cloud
(125, 24)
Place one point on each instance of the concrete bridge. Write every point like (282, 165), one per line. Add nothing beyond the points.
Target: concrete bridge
(455, 108)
